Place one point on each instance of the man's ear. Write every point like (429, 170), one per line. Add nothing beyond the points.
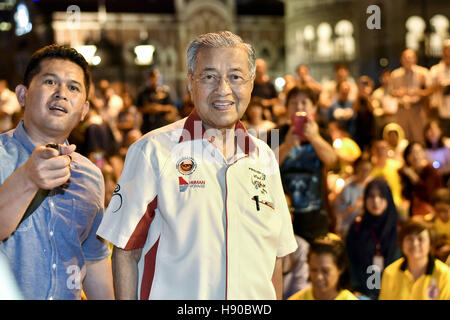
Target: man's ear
(85, 110)
(21, 94)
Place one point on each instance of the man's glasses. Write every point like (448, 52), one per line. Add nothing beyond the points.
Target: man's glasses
(213, 80)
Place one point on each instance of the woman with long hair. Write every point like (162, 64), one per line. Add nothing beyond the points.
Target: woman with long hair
(372, 239)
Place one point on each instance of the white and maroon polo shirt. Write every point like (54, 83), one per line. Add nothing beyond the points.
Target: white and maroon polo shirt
(208, 228)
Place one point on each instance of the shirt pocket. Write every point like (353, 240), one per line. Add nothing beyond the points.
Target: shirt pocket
(262, 216)
(83, 215)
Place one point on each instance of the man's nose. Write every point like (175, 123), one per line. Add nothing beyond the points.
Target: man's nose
(223, 86)
(61, 92)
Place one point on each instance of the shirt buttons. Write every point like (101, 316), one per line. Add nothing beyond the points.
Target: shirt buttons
(51, 233)
(51, 203)
(50, 298)
(54, 266)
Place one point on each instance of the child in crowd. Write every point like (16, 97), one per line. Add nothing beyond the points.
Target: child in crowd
(418, 275)
(349, 204)
(328, 269)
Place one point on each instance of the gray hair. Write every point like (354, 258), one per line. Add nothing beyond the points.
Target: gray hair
(220, 39)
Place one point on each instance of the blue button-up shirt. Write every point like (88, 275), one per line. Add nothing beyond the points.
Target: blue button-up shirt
(49, 249)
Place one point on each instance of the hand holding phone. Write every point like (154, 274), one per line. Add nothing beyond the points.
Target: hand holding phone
(298, 124)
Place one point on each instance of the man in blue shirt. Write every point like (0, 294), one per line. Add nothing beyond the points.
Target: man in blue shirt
(54, 253)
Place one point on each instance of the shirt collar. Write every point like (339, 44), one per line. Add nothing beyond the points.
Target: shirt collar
(428, 271)
(193, 129)
(21, 135)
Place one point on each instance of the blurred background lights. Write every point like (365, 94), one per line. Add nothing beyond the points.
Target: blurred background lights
(340, 183)
(88, 52)
(144, 54)
(337, 143)
(436, 164)
(279, 83)
(22, 18)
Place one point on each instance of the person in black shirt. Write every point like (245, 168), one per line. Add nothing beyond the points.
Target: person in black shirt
(155, 104)
(264, 89)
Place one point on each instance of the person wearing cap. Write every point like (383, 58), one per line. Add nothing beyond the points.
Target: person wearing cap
(54, 252)
(199, 211)
(417, 275)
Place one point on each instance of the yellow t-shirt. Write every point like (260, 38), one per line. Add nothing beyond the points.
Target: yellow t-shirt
(307, 294)
(442, 228)
(397, 282)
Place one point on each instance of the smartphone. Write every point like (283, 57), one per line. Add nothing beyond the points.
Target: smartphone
(54, 146)
(298, 123)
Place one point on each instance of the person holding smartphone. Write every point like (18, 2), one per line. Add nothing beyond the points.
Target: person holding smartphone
(54, 252)
(304, 156)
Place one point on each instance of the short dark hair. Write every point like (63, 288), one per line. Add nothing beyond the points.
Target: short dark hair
(332, 244)
(340, 65)
(415, 226)
(301, 89)
(55, 51)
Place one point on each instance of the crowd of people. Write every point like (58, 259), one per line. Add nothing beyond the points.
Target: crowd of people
(366, 175)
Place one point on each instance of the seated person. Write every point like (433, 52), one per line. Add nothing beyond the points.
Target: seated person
(345, 147)
(418, 275)
(394, 135)
(349, 203)
(328, 270)
(295, 264)
(437, 148)
(372, 238)
(419, 179)
(441, 221)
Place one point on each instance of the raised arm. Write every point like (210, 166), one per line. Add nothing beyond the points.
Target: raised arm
(45, 169)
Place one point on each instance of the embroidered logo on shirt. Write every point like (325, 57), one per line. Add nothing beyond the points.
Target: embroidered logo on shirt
(258, 180)
(432, 290)
(184, 185)
(116, 199)
(186, 165)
